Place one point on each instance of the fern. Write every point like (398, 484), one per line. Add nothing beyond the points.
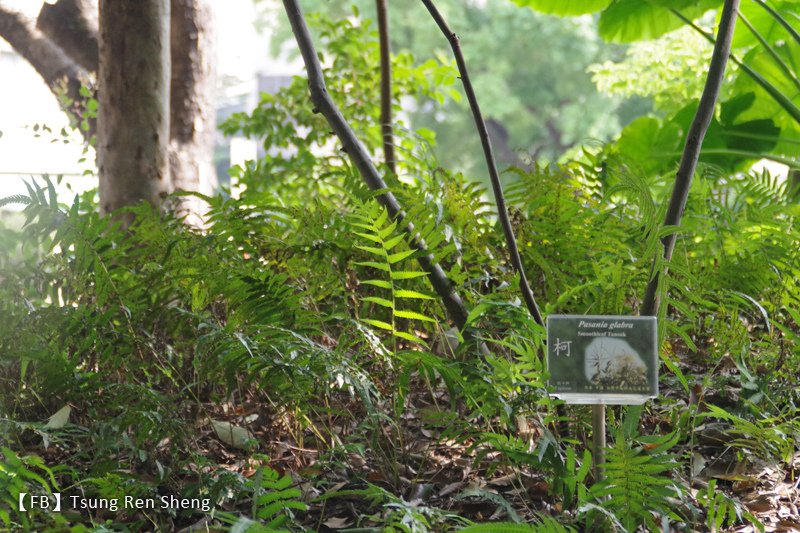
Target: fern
(15, 199)
(635, 483)
(721, 510)
(20, 474)
(546, 524)
(387, 249)
(272, 501)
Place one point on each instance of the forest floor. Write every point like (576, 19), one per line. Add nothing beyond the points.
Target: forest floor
(427, 467)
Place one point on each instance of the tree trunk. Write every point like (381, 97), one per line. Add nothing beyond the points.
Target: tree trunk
(63, 45)
(192, 118)
(133, 111)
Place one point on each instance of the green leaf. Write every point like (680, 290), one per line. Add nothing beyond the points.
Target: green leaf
(625, 21)
(405, 274)
(408, 337)
(373, 264)
(773, 52)
(399, 256)
(765, 20)
(374, 251)
(792, 9)
(564, 8)
(646, 142)
(382, 218)
(380, 301)
(477, 312)
(404, 293)
(388, 230)
(413, 316)
(370, 237)
(368, 227)
(731, 109)
(378, 324)
(394, 241)
(377, 283)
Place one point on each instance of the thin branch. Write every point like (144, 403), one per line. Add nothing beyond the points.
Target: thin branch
(494, 176)
(361, 159)
(386, 85)
(694, 143)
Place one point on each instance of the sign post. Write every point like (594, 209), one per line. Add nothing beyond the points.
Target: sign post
(602, 360)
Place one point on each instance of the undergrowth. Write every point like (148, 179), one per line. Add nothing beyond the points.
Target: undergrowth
(299, 322)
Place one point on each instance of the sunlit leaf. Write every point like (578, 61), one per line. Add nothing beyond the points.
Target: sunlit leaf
(564, 8)
(626, 21)
(378, 323)
(380, 301)
(413, 315)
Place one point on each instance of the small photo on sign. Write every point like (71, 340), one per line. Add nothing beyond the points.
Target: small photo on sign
(602, 359)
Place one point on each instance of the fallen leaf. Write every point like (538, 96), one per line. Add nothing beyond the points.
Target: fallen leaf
(337, 523)
(759, 504)
(451, 488)
(59, 419)
(232, 435)
(503, 481)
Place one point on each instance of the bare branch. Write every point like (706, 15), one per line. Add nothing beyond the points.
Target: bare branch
(362, 161)
(494, 176)
(691, 150)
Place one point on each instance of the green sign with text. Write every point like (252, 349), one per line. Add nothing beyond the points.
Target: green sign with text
(602, 359)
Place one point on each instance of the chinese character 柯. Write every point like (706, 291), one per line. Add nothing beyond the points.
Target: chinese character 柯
(562, 346)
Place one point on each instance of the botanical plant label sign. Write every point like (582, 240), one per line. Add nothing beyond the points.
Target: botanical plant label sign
(602, 359)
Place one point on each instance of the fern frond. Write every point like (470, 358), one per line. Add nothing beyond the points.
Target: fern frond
(387, 250)
(635, 484)
(15, 199)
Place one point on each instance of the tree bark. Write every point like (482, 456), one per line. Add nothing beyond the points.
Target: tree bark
(386, 85)
(62, 75)
(67, 34)
(133, 111)
(72, 25)
(192, 112)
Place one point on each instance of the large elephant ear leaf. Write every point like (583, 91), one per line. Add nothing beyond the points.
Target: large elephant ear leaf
(626, 21)
(565, 9)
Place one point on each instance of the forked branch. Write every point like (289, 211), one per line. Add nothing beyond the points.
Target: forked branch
(494, 176)
(362, 161)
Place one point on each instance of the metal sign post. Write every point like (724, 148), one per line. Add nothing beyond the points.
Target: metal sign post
(602, 360)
